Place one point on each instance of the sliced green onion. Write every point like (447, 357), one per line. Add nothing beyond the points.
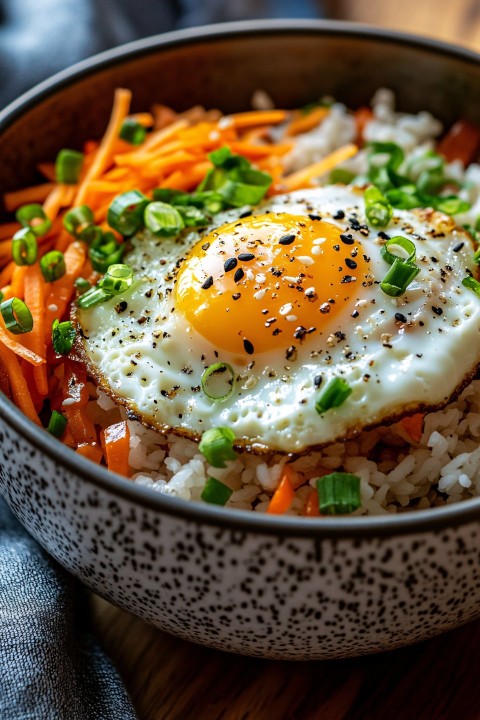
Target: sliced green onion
(117, 279)
(215, 384)
(162, 219)
(192, 216)
(377, 208)
(450, 205)
(105, 251)
(63, 336)
(81, 285)
(33, 217)
(16, 315)
(92, 297)
(215, 492)
(171, 197)
(125, 214)
(399, 277)
(24, 247)
(338, 493)
(472, 284)
(220, 156)
(76, 221)
(476, 256)
(245, 187)
(57, 424)
(133, 132)
(401, 242)
(52, 265)
(334, 395)
(1, 296)
(68, 166)
(217, 446)
(340, 175)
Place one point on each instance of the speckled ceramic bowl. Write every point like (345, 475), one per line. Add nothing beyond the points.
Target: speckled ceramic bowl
(267, 586)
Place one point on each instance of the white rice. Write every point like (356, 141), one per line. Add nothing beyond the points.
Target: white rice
(396, 474)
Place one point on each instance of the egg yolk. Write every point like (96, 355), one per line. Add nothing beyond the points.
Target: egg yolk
(267, 281)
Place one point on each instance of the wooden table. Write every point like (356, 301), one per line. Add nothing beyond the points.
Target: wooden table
(169, 679)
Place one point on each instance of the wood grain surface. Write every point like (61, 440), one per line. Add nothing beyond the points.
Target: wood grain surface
(169, 679)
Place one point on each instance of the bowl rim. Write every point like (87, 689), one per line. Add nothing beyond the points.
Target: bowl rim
(415, 521)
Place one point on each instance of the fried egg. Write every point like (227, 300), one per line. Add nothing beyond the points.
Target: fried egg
(288, 296)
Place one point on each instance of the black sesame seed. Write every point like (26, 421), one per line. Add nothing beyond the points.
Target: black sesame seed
(350, 263)
(238, 275)
(236, 296)
(339, 215)
(230, 264)
(245, 214)
(434, 259)
(205, 246)
(300, 332)
(355, 314)
(348, 279)
(437, 310)
(458, 247)
(286, 239)
(314, 217)
(383, 235)
(347, 238)
(246, 257)
(249, 349)
(208, 283)
(400, 318)
(317, 380)
(121, 307)
(277, 331)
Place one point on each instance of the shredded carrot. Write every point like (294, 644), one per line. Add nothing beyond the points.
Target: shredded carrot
(255, 117)
(283, 496)
(8, 340)
(413, 426)
(18, 384)
(34, 194)
(91, 451)
(311, 506)
(145, 119)
(56, 199)
(103, 158)
(302, 178)
(117, 445)
(462, 142)
(18, 281)
(257, 151)
(306, 122)
(61, 290)
(48, 171)
(362, 117)
(8, 229)
(35, 340)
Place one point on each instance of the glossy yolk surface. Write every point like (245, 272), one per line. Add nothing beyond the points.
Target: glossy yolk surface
(267, 281)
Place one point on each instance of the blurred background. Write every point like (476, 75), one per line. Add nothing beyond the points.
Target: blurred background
(40, 37)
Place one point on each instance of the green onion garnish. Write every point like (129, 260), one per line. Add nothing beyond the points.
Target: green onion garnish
(24, 247)
(215, 492)
(92, 297)
(472, 284)
(63, 336)
(125, 214)
(81, 285)
(340, 175)
(377, 208)
(105, 251)
(334, 395)
(338, 493)
(17, 317)
(401, 242)
(217, 446)
(76, 221)
(68, 166)
(57, 424)
(132, 132)
(234, 179)
(52, 265)
(162, 219)
(117, 279)
(399, 277)
(33, 217)
(215, 384)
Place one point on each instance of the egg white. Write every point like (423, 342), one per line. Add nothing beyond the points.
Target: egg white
(144, 353)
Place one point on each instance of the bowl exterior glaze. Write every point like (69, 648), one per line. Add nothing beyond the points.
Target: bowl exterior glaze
(271, 589)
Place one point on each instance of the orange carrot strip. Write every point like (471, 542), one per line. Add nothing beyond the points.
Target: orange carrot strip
(8, 340)
(461, 142)
(34, 194)
(81, 427)
(18, 280)
(54, 201)
(305, 123)
(311, 506)
(18, 384)
(254, 117)
(145, 119)
(258, 151)
(362, 117)
(48, 171)
(302, 178)
(163, 115)
(103, 157)
(62, 290)
(156, 140)
(8, 229)
(91, 451)
(188, 179)
(117, 447)
(35, 340)
(7, 273)
(282, 497)
(413, 426)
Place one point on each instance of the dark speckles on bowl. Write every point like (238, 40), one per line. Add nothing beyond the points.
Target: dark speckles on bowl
(270, 587)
